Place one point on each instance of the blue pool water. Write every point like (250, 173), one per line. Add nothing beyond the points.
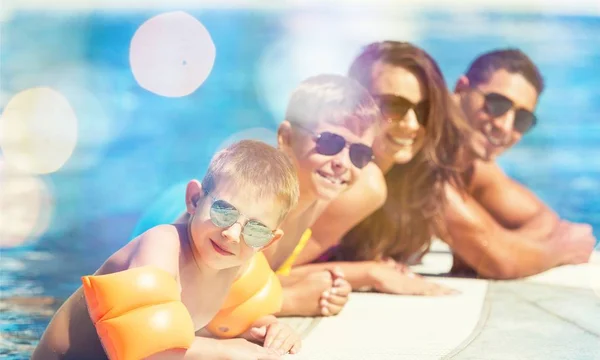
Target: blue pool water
(133, 145)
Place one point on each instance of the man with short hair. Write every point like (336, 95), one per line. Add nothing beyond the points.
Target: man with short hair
(499, 228)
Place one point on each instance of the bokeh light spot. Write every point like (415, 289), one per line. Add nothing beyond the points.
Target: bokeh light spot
(171, 54)
(261, 134)
(26, 206)
(38, 131)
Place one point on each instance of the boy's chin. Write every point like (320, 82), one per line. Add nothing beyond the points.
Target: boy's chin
(327, 194)
(216, 264)
(214, 261)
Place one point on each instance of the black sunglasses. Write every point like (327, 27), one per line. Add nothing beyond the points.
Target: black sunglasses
(394, 108)
(328, 143)
(254, 233)
(498, 105)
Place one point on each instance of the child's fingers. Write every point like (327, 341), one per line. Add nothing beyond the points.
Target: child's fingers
(337, 295)
(334, 309)
(341, 287)
(263, 353)
(324, 305)
(337, 272)
(337, 300)
(443, 290)
(259, 333)
(280, 340)
(332, 304)
(296, 348)
(272, 333)
(289, 343)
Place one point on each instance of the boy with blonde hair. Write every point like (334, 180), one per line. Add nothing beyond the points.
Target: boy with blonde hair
(328, 131)
(153, 297)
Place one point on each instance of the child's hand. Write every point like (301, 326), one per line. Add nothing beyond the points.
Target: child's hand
(302, 298)
(333, 300)
(279, 337)
(242, 349)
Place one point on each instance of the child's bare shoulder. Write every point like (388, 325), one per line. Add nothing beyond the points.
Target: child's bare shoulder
(160, 246)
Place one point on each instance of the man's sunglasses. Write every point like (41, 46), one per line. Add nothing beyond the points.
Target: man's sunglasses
(328, 143)
(394, 108)
(498, 105)
(254, 233)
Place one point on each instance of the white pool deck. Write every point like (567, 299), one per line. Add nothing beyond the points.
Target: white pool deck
(554, 315)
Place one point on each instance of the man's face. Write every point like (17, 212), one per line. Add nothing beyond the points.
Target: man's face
(487, 106)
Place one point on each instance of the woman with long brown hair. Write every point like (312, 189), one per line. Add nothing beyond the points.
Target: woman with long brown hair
(390, 216)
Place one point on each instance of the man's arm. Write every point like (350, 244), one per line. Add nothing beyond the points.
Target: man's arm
(510, 204)
(490, 249)
(504, 231)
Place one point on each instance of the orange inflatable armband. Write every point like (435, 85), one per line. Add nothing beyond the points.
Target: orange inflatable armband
(138, 312)
(256, 293)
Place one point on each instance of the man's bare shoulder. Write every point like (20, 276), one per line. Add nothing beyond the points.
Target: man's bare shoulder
(487, 174)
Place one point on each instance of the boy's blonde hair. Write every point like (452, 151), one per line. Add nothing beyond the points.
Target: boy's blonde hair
(258, 168)
(335, 99)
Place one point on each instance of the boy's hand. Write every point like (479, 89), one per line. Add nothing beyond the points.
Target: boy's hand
(302, 297)
(279, 337)
(333, 300)
(241, 349)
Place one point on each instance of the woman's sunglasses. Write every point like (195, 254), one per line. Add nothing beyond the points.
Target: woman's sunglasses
(498, 105)
(328, 143)
(254, 233)
(394, 108)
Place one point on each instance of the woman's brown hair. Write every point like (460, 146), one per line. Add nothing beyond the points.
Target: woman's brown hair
(413, 211)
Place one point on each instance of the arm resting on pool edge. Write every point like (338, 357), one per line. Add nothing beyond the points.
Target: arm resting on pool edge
(495, 251)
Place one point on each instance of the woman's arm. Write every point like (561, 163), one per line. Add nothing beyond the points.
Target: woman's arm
(380, 276)
(356, 273)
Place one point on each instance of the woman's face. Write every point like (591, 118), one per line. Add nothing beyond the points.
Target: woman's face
(404, 104)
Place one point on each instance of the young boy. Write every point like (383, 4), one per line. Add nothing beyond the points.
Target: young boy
(330, 125)
(169, 282)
